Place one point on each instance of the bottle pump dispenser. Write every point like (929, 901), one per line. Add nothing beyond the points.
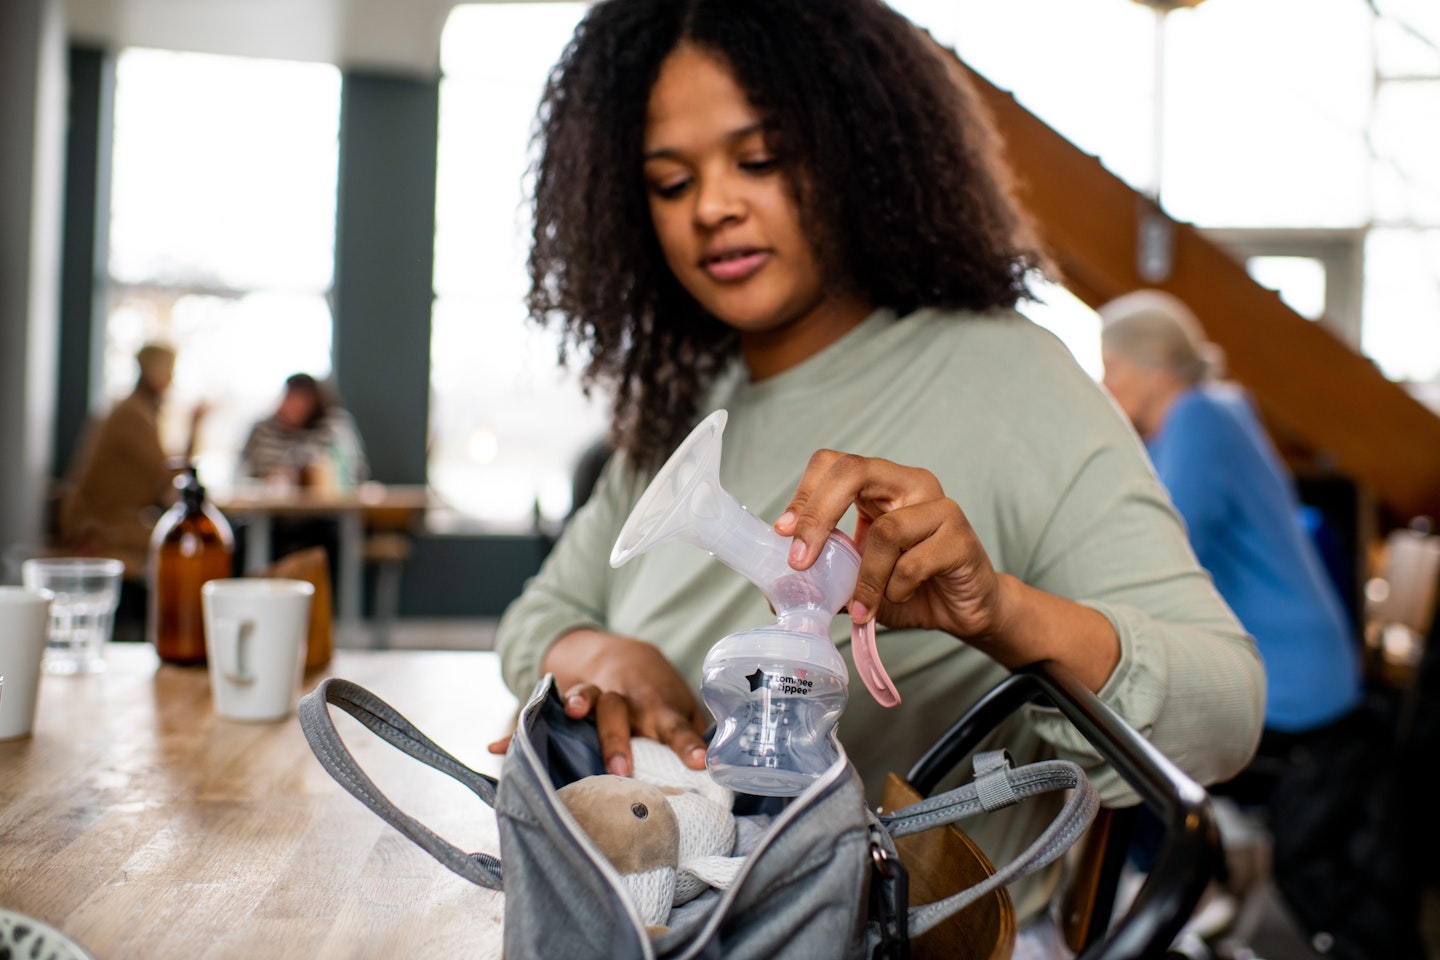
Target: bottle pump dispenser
(776, 691)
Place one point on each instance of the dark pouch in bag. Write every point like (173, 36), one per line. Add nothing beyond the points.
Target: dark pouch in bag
(822, 880)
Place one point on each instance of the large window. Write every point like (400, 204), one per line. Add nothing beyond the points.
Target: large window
(1326, 142)
(507, 423)
(222, 234)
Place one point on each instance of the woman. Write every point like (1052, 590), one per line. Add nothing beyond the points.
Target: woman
(787, 209)
(308, 437)
(309, 441)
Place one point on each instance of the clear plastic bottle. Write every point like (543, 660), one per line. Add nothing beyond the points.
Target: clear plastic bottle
(776, 696)
(192, 543)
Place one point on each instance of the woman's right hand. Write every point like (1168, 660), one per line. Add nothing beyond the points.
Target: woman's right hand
(632, 690)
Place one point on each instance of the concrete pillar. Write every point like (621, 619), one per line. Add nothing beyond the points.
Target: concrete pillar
(32, 161)
(384, 257)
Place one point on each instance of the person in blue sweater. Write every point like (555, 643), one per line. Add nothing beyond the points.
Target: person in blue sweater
(1239, 505)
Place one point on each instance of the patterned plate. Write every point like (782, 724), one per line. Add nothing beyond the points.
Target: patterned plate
(22, 936)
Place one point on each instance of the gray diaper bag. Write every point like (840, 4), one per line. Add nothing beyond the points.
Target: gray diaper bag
(820, 876)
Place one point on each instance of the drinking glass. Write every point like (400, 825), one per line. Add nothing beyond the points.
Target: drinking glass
(82, 615)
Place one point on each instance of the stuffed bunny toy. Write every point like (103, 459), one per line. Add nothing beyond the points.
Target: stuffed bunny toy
(668, 830)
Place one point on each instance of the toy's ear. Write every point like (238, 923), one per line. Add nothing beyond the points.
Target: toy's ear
(629, 821)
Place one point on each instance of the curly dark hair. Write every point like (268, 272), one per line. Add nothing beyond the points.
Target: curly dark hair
(903, 196)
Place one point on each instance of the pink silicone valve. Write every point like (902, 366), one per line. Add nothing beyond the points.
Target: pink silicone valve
(868, 665)
(862, 646)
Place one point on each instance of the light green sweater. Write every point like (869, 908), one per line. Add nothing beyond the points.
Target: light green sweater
(1057, 487)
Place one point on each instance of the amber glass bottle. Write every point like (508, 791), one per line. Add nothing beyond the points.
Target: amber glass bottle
(191, 544)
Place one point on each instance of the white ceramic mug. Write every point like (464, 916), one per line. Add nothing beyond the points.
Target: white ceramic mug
(255, 633)
(24, 625)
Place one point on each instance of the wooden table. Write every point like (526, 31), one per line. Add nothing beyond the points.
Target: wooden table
(261, 505)
(145, 827)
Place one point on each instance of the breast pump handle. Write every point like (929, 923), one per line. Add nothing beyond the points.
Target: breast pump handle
(686, 502)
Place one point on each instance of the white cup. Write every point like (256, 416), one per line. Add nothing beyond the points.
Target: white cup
(24, 623)
(255, 633)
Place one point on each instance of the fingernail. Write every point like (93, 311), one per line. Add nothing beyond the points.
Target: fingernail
(618, 766)
(697, 755)
(858, 613)
(576, 702)
(786, 518)
(797, 550)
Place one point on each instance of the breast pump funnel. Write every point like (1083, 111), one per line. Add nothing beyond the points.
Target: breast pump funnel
(686, 502)
(777, 691)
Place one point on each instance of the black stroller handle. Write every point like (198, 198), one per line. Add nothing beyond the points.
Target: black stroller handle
(1190, 852)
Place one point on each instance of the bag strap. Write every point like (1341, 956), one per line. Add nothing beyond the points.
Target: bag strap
(386, 723)
(998, 783)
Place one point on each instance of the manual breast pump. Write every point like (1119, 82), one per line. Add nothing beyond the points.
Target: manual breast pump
(777, 691)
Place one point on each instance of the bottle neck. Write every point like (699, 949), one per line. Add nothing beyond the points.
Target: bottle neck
(806, 618)
(192, 501)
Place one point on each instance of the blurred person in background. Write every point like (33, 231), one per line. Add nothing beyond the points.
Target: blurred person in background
(1341, 831)
(309, 441)
(1241, 510)
(121, 480)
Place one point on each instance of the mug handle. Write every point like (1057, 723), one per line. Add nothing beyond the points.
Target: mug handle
(229, 648)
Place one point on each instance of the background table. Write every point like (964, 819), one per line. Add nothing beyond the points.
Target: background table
(145, 827)
(261, 505)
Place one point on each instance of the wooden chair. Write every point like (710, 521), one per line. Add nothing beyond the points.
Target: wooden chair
(389, 542)
(1089, 899)
(311, 564)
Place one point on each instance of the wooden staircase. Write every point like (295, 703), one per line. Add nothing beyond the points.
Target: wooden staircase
(1314, 390)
